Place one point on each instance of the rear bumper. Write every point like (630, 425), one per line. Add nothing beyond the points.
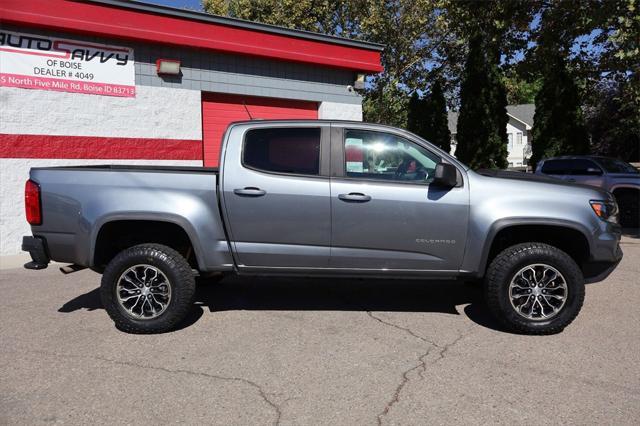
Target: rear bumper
(36, 248)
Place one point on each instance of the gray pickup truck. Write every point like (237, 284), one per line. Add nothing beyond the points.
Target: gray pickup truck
(323, 198)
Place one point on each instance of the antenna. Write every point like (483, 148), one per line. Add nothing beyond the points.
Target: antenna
(244, 104)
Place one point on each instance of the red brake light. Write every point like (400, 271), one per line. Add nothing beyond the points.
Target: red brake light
(32, 206)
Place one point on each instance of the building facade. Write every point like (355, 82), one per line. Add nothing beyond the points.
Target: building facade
(109, 81)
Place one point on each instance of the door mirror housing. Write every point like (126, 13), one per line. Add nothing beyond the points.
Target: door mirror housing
(446, 175)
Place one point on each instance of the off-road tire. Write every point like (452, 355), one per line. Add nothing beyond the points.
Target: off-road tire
(507, 263)
(178, 273)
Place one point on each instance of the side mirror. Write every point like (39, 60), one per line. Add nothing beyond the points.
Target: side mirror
(592, 171)
(446, 175)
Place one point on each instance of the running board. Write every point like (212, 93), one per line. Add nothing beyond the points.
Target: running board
(71, 268)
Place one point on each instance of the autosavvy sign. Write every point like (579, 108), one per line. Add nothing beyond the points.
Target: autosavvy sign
(50, 63)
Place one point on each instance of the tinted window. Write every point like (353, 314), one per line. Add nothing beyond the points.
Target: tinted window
(585, 167)
(556, 167)
(383, 156)
(574, 167)
(616, 166)
(295, 150)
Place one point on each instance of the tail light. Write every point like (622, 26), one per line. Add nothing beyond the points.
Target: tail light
(32, 205)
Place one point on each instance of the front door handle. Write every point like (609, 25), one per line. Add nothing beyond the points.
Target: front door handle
(249, 191)
(571, 180)
(355, 197)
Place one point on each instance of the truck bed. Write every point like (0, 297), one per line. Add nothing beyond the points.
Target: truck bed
(77, 202)
(135, 168)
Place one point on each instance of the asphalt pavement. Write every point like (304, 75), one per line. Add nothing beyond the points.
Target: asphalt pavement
(310, 352)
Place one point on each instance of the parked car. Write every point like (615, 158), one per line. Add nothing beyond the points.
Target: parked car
(616, 176)
(323, 198)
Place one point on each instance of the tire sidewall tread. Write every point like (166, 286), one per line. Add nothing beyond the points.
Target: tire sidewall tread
(178, 272)
(511, 260)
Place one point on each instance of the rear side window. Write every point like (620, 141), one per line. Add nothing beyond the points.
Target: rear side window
(293, 150)
(575, 167)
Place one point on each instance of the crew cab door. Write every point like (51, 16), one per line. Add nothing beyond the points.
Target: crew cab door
(276, 197)
(386, 214)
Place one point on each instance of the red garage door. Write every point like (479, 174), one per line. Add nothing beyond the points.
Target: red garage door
(218, 110)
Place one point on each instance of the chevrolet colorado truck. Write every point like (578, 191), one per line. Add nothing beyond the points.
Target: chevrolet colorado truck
(323, 198)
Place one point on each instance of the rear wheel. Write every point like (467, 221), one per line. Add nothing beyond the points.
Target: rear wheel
(148, 288)
(534, 288)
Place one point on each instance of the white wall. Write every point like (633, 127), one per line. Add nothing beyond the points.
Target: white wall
(338, 111)
(516, 151)
(155, 112)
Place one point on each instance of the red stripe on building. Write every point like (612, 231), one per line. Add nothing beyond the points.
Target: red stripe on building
(103, 20)
(91, 147)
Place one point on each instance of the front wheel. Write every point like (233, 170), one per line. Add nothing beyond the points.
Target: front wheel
(534, 288)
(148, 288)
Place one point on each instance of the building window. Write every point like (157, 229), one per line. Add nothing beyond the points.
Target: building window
(510, 136)
(519, 138)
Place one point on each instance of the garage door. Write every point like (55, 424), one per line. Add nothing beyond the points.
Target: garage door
(218, 110)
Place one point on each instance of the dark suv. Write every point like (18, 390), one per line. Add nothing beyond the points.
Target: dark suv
(616, 176)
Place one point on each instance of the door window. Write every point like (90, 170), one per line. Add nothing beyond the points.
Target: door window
(280, 150)
(383, 156)
(573, 167)
(556, 167)
(585, 168)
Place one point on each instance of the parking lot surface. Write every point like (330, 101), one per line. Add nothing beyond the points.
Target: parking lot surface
(302, 351)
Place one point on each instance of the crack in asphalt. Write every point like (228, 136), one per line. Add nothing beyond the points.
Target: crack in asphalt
(261, 392)
(399, 327)
(421, 367)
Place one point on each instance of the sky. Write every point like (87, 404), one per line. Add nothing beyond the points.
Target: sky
(189, 4)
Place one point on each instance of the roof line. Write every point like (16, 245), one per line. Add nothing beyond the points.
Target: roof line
(519, 119)
(235, 22)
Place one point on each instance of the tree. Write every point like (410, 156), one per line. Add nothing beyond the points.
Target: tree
(416, 114)
(614, 123)
(482, 139)
(427, 117)
(558, 123)
(436, 128)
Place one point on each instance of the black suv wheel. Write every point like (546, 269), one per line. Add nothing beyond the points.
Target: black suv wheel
(534, 288)
(148, 288)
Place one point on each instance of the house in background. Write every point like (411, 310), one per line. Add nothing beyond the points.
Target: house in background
(518, 132)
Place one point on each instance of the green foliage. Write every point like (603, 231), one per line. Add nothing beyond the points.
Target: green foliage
(559, 126)
(437, 131)
(519, 90)
(427, 117)
(482, 123)
(614, 123)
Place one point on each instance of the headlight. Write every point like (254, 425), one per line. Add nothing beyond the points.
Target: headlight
(605, 210)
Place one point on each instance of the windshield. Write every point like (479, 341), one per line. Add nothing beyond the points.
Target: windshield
(617, 166)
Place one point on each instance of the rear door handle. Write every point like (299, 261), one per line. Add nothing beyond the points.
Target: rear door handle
(249, 191)
(355, 197)
(571, 180)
